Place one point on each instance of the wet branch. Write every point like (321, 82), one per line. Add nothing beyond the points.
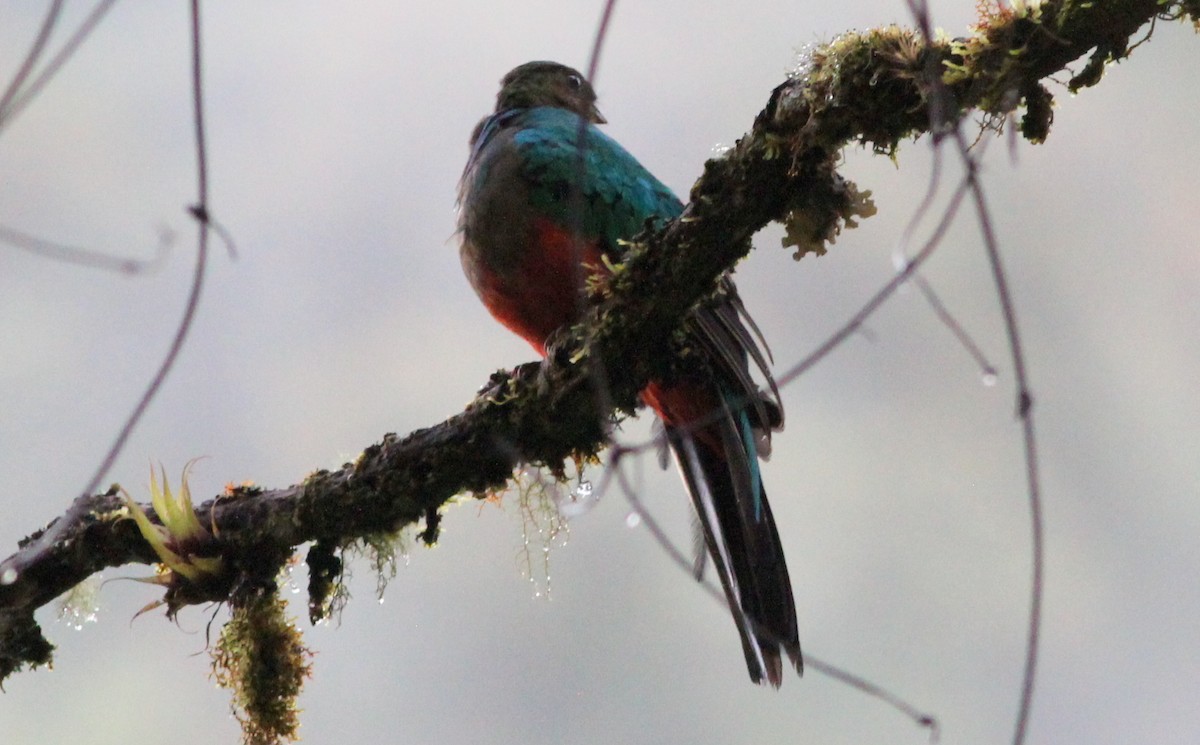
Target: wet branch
(873, 88)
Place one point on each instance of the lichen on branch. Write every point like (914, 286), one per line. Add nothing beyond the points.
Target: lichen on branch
(876, 88)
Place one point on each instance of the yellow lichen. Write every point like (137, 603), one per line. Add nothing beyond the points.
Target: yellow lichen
(810, 228)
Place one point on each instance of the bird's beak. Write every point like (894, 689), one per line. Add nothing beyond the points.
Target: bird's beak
(596, 117)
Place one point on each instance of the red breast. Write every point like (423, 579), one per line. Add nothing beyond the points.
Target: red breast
(542, 292)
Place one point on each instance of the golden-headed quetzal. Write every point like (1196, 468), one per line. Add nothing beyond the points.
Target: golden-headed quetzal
(545, 193)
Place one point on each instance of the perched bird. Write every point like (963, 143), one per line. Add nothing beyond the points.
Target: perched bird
(544, 199)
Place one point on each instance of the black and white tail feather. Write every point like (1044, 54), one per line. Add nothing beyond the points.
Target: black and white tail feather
(734, 524)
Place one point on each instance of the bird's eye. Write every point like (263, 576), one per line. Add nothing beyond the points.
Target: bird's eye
(575, 82)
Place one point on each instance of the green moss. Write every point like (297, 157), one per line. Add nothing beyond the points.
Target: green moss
(23, 644)
(382, 550)
(860, 87)
(1187, 8)
(1039, 114)
(324, 578)
(262, 660)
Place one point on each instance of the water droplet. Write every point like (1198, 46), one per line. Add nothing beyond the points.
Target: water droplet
(8, 576)
(381, 600)
(632, 520)
(989, 378)
(77, 620)
(289, 578)
(582, 499)
(79, 606)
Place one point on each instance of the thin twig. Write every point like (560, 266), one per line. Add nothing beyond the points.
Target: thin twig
(599, 376)
(810, 662)
(1024, 411)
(949, 321)
(1024, 398)
(31, 58)
(875, 691)
(20, 100)
(11, 570)
(83, 256)
(882, 294)
(9, 107)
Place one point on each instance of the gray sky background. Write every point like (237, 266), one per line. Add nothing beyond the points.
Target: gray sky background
(337, 134)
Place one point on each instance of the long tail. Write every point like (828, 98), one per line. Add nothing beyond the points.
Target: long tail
(719, 464)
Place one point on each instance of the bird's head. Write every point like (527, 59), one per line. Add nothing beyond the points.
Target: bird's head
(548, 84)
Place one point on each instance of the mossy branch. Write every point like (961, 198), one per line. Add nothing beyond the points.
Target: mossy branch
(876, 88)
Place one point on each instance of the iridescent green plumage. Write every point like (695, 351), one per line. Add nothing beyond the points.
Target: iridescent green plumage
(545, 195)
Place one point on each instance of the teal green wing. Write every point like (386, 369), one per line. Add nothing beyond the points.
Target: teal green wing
(618, 195)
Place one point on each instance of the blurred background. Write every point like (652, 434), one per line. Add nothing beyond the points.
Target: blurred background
(336, 137)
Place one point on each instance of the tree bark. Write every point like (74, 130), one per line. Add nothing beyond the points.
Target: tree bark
(875, 88)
